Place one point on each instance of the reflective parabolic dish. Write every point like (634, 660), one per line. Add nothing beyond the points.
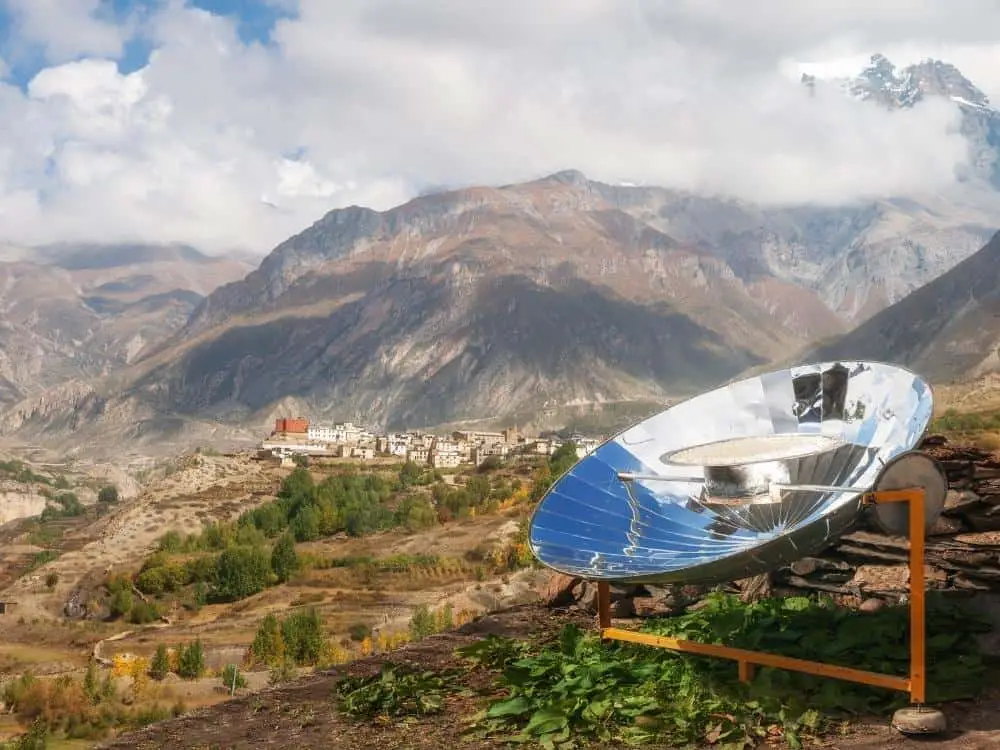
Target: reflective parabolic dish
(701, 507)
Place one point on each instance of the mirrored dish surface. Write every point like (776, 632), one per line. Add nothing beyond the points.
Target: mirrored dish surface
(701, 505)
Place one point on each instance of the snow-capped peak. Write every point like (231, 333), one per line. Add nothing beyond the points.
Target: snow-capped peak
(883, 82)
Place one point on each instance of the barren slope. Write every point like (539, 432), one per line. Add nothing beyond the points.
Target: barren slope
(946, 330)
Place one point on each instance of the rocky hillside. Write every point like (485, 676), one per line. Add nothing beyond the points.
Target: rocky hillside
(82, 312)
(499, 303)
(947, 329)
(893, 87)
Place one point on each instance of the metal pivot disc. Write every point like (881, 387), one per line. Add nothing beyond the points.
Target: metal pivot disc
(910, 469)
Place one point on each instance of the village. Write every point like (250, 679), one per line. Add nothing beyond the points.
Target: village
(297, 436)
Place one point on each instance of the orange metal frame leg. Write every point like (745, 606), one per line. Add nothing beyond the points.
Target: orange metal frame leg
(915, 684)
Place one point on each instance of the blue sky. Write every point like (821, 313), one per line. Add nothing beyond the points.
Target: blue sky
(256, 20)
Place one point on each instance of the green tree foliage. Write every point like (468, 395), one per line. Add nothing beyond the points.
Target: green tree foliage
(191, 661)
(143, 613)
(415, 513)
(121, 600)
(108, 494)
(91, 684)
(302, 633)
(354, 503)
(295, 640)
(170, 542)
(160, 575)
(562, 459)
(965, 422)
(268, 646)
(64, 505)
(284, 560)
(159, 668)
(409, 474)
(233, 678)
(422, 623)
(241, 572)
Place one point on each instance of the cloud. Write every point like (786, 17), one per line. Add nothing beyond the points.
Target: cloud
(225, 144)
(65, 29)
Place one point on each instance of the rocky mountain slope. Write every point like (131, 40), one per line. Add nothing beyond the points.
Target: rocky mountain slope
(506, 304)
(947, 329)
(76, 312)
(501, 304)
(893, 87)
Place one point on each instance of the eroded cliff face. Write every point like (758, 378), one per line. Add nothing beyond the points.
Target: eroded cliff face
(946, 330)
(76, 313)
(18, 501)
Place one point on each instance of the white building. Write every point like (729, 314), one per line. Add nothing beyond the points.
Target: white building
(343, 432)
(356, 451)
(481, 452)
(320, 433)
(418, 455)
(288, 449)
(394, 445)
(445, 454)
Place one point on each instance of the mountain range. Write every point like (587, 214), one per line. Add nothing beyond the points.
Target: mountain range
(538, 303)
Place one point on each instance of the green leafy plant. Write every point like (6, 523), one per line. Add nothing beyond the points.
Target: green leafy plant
(396, 691)
(494, 652)
(581, 690)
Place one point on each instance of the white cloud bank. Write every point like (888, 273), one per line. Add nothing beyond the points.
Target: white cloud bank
(226, 145)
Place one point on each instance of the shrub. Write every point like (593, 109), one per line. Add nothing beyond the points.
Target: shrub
(170, 542)
(359, 631)
(302, 633)
(233, 678)
(191, 662)
(422, 623)
(143, 613)
(160, 666)
(241, 572)
(268, 646)
(281, 672)
(108, 494)
(121, 600)
(51, 580)
(284, 560)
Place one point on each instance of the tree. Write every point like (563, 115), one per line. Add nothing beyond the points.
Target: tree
(191, 663)
(232, 678)
(422, 624)
(409, 474)
(563, 458)
(241, 572)
(108, 494)
(302, 633)
(121, 598)
(284, 559)
(160, 666)
(91, 688)
(268, 646)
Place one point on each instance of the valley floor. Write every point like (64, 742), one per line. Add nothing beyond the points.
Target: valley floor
(303, 714)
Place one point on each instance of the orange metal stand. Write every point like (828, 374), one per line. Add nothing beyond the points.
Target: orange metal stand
(915, 684)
